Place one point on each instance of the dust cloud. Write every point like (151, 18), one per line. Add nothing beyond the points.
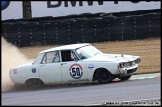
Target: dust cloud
(11, 57)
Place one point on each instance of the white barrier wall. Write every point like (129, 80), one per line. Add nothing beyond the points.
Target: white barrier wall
(63, 8)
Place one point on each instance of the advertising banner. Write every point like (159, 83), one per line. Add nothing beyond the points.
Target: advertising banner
(63, 8)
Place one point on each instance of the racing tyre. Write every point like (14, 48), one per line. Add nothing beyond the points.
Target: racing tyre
(103, 76)
(124, 77)
(34, 84)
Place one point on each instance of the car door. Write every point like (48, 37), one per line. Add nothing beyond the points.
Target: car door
(49, 68)
(72, 69)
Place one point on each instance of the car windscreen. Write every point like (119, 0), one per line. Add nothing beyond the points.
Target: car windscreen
(87, 51)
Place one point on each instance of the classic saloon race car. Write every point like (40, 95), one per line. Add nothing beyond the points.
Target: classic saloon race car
(72, 63)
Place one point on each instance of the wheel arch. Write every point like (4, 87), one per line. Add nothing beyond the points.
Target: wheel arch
(33, 79)
(94, 74)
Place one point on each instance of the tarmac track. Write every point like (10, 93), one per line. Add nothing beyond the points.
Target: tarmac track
(87, 93)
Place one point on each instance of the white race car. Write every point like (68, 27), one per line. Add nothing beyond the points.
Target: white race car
(74, 63)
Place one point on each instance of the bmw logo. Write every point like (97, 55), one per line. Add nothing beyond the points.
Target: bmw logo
(4, 4)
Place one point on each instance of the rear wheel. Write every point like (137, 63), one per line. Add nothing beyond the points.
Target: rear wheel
(103, 76)
(34, 83)
(124, 77)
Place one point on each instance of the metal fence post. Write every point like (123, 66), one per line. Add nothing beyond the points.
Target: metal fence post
(27, 9)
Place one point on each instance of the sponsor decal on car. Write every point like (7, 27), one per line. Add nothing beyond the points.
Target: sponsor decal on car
(90, 66)
(76, 71)
(33, 70)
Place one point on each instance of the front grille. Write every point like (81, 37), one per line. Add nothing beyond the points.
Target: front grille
(131, 70)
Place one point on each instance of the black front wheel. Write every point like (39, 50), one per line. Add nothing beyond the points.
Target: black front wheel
(104, 76)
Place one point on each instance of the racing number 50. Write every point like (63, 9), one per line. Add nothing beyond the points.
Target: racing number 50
(76, 71)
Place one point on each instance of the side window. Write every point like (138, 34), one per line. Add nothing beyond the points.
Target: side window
(51, 57)
(67, 56)
(38, 59)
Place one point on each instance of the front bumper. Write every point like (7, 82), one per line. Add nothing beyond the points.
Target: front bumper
(127, 71)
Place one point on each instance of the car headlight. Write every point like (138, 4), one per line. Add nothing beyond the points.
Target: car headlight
(134, 62)
(126, 64)
(138, 60)
(121, 65)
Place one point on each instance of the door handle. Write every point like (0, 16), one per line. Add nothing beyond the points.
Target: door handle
(42, 65)
(63, 63)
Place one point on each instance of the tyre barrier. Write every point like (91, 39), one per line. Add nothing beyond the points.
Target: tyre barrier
(99, 27)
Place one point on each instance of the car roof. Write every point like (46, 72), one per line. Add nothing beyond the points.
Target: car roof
(66, 47)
